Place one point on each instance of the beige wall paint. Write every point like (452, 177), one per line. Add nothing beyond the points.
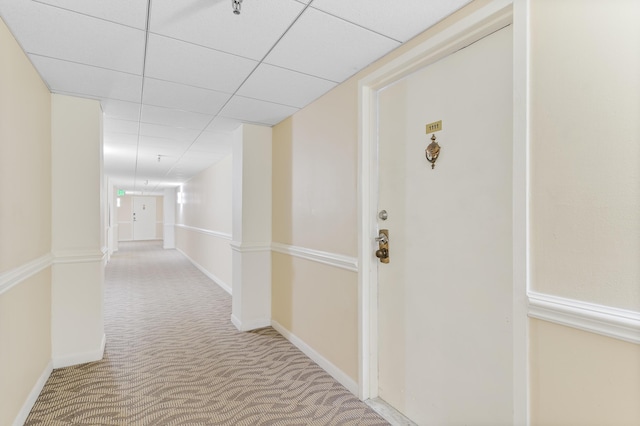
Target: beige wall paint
(581, 378)
(25, 158)
(207, 199)
(585, 199)
(25, 225)
(25, 345)
(315, 165)
(585, 168)
(207, 207)
(316, 303)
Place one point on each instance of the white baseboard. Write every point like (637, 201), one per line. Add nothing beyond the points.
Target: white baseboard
(226, 287)
(250, 325)
(326, 365)
(33, 395)
(81, 358)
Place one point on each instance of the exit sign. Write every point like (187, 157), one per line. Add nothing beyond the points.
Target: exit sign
(120, 192)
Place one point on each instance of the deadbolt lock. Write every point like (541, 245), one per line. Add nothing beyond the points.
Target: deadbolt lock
(383, 246)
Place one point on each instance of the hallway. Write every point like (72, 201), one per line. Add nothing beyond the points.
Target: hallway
(174, 358)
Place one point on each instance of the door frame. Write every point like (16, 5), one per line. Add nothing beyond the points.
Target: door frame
(480, 21)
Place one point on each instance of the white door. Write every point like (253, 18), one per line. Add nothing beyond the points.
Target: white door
(445, 297)
(144, 218)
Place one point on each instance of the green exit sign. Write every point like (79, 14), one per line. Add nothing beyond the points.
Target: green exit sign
(120, 192)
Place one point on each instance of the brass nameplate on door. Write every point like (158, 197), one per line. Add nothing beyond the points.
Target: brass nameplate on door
(436, 126)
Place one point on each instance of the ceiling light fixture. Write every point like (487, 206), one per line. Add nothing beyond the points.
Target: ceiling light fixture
(236, 6)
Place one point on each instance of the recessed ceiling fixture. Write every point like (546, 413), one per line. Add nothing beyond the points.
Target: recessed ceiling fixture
(236, 6)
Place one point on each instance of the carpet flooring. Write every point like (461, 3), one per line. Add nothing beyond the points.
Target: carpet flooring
(174, 358)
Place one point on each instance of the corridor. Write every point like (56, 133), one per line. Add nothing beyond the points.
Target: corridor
(174, 358)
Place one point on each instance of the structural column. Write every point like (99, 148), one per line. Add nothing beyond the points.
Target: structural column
(78, 237)
(251, 233)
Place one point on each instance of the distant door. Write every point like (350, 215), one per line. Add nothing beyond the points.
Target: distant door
(445, 297)
(144, 218)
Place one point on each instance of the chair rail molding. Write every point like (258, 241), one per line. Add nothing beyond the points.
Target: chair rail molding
(15, 276)
(217, 234)
(605, 320)
(349, 263)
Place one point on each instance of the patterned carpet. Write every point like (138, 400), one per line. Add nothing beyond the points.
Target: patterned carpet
(174, 358)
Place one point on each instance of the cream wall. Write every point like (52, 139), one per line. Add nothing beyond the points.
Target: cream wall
(585, 128)
(582, 378)
(585, 199)
(315, 207)
(203, 222)
(25, 229)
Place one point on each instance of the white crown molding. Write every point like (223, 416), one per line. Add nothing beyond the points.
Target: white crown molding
(315, 356)
(21, 418)
(333, 259)
(244, 247)
(15, 276)
(223, 285)
(611, 322)
(217, 234)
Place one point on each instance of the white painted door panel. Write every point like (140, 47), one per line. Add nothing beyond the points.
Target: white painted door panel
(445, 298)
(144, 218)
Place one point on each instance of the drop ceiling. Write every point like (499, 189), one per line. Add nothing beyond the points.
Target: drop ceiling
(176, 77)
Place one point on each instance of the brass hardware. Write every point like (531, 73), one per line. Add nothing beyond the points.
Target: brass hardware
(436, 126)
(432, 151)
(383, 246)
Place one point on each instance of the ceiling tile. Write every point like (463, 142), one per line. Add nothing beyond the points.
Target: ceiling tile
(179, 96)
(178, 134)
(217, 142)
(120, 139)
(121, 109)
(174, 117)
(279, 85)
(212, 23)
(87, 81)
(57, 33)
(163, 146)
(127, 12)
(325, 46)
(255, 111)
(112, 125)
(222, 124)
(398, 20)
(181, 62)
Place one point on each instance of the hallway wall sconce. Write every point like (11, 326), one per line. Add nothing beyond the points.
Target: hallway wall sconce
(180, 198)
(118, 202)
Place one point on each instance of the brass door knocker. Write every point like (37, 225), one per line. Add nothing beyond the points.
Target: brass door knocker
(432, 151)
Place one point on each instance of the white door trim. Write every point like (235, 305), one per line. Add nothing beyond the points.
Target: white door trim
(478, 24)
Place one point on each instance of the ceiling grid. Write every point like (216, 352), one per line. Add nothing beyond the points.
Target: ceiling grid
(175, 78)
